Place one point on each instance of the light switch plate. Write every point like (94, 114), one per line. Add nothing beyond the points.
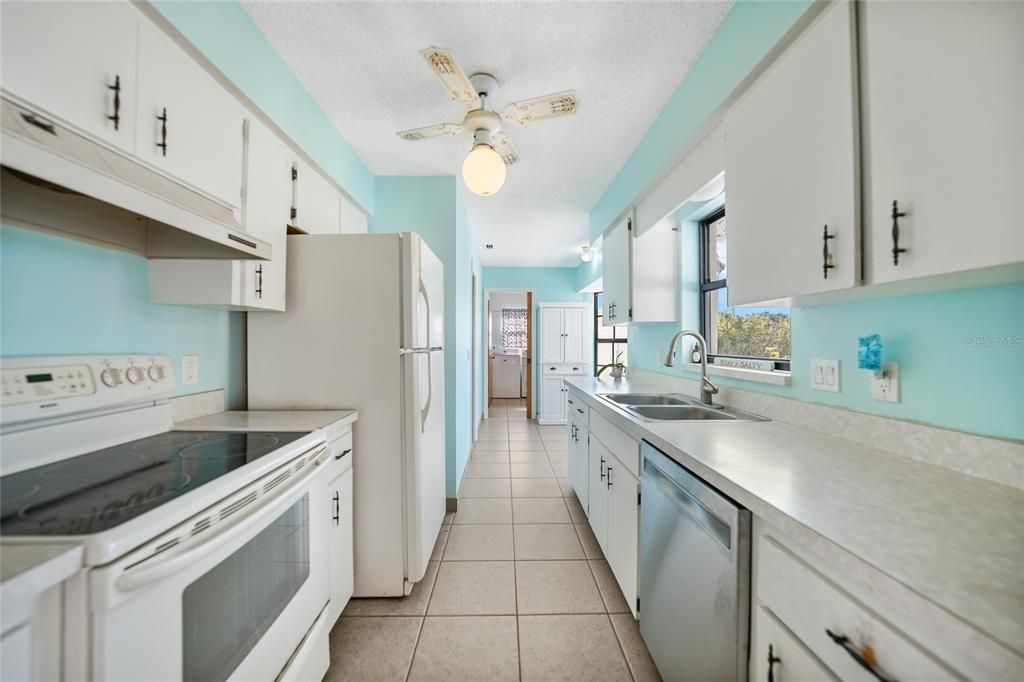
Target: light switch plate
(825, 375)
(189, 369)
(887, 388)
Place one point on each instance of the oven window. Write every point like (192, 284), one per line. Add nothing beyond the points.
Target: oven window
(227, 610)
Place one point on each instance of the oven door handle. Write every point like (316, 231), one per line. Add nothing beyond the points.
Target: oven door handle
(191, 551)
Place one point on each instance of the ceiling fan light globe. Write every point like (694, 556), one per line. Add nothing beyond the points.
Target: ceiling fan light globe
(483, 171)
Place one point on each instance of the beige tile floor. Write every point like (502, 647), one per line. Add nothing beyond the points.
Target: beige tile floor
(517, 588)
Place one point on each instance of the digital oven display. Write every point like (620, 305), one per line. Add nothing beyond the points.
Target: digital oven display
(38, 378)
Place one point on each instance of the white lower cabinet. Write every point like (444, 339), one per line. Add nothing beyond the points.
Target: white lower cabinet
(340, 547)
(597, 492)
(579, 454)
(552, 400)
(776, 654)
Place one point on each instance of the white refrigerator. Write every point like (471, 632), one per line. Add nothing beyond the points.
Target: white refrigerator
(364, 329)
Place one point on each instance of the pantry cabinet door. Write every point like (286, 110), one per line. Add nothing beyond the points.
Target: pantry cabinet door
(792, 169)
(66, 58)
(623, 528)
(267, 203)
(552, 400)
(616, 256)
(552, 335)
(188, 125)
(943, 123)
(574, 326)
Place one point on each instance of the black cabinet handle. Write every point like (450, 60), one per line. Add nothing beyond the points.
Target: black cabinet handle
(337, 508)
(896, 215)
(259, 281)
(568, 400)
(116, 87)
(163, 131)
(855, 654)
(343, 453)
(40, 122)
(825, 255)
(602, 468)
(608, 474)
(580, 410)
(772, 660)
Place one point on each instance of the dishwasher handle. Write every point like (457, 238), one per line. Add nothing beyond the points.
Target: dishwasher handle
(716, 527)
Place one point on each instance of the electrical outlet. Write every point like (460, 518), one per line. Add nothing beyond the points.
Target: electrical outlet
(189, 369)
(825, 375)
(886, 386)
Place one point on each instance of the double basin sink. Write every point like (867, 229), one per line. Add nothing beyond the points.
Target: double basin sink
(653, 407)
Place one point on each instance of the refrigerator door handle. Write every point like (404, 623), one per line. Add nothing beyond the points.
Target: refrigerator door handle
(430, 395)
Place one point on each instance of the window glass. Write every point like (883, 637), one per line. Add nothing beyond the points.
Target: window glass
(609, 341)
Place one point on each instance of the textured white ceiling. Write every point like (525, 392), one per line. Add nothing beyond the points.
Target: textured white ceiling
(361, 62)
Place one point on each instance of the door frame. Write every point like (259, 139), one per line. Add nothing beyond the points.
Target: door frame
(474, 355)
(531, 297)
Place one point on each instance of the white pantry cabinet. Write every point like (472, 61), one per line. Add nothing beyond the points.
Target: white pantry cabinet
(640, 273)
(188, 125)
(552, 399)
(240, 284)
(943, 125)
(316, 206)
(563, 337)
(792, 173)
(77, 62)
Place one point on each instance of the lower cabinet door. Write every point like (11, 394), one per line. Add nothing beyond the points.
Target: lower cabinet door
(622, 549)
(579, 463)
(340, 551)
(552, 399)
(597, 492)
(779, 656)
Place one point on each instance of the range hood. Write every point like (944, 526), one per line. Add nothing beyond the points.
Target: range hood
(60, 181)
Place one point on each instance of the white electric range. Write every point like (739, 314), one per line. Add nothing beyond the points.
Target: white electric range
(202, 559)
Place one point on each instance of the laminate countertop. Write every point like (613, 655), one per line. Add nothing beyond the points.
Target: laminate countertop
(956, 540)
(28, 570)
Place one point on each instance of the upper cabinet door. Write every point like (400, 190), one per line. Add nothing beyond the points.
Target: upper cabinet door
(317, 204)
(552, 336)
(792, 189)
(574, 324)
(75, 61)
(188, 125)
(616, 259)
(943, 120)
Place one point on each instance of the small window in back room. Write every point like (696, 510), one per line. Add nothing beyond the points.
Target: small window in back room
(513, 328)
(760, 333)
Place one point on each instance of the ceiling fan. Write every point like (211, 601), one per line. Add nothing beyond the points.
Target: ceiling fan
(484, 168)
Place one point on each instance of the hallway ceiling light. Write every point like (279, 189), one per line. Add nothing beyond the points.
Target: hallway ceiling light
(586, 254)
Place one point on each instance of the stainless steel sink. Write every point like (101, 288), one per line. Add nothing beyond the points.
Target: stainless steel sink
(645, 399)
(680, 413)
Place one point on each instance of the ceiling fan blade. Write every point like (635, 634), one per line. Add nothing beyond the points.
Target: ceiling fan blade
(456, 84)
(431, 131)
(540, 108)
(506, 150)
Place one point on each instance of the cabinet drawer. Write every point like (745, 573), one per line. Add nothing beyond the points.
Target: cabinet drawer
(791, 661)
(618, 441)
(578, 410)
(558, 368)
(811, 606)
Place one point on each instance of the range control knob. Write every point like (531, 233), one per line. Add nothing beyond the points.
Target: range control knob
(111, 376)
(156, 373)
(135, 375)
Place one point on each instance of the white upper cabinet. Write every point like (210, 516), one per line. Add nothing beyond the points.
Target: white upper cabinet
(316, 207)
(76, 61)
(792, 179)
(563, 337)
(188, 125)
(641, 273)
(943, 122)
(351, 219)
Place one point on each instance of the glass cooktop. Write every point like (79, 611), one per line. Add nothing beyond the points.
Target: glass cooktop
(99, 490)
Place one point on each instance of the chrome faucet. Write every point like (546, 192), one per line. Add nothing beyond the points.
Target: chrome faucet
(707, 389)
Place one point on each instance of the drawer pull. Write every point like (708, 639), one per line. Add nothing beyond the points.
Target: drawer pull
(772, 660)
(864, 655)
(343, 453)
(580, 410)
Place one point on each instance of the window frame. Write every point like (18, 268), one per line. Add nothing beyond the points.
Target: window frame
(598, 316)
(706, 286)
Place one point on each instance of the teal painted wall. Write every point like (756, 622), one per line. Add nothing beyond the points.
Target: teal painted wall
(227, 36)
(549, 285)
(63, 297)
(961, 356)
(431, 207)
(744, 37)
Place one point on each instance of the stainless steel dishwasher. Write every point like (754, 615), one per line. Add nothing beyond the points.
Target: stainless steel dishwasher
(694, 574)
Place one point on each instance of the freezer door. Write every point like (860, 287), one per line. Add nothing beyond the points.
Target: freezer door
(424, 456)
(423, 295)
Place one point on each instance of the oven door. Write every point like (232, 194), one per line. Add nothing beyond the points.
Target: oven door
(232, 601)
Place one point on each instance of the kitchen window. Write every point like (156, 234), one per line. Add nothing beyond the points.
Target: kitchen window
(609, 341)
(754, 333)
(513, 328)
